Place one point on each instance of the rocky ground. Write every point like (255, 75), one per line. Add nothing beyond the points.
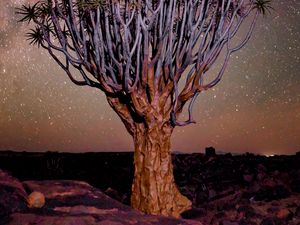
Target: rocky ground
(68, 203)
(241, 190)
(225, 189)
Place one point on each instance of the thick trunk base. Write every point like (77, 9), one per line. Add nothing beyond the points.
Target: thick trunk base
(154, 190)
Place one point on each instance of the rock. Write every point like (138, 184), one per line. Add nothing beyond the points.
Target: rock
(271, 221)
(268, 182)
(201, 195)
(261, 175)
(36, 200)
(228, 155)
(126, 199)
(295, 185)
(284, 178)
(228, 205)
(194, 213)
(272, 193)
(261, 168)
(246, 222)
(113, 194)
(188, 191)
(227, 222)
(275, 203)
(273, 209)
(212, 193)
(284, 214)
(220, 214)
(248, 178)
(12, 195)
(210, 151)
(297, 212)
(246, 211)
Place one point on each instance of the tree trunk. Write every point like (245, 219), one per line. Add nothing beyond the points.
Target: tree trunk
(154, 190)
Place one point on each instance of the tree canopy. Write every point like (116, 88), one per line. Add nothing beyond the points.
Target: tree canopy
(127, 46)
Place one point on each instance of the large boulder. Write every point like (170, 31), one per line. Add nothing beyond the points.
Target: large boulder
(78, 203)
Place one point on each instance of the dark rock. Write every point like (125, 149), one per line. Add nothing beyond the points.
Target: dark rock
(201, 195)
(113, 194)
(228, 155)
(126, 199)
(227, 222)
(261, 176)
(272, 193)
(229, 205)
(273, 209)
(248, 178)
(220, 215)
(272, 221)
(247, 211)
(210, 151)
(275, 203)
(12, 195)
(194, 213)
(284, 177)
(4, 214)
(261, 168)
(189, 192)
(297, 212)
(246, 222)
(295, 185)
(268, 182)
(212, 193)
(96, 218)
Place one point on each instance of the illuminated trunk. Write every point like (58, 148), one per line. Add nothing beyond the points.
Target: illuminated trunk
(154, 190)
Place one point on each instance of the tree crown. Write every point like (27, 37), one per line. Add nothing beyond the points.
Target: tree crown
(137, 51)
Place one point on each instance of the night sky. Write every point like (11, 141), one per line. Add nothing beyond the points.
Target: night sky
(255, 108)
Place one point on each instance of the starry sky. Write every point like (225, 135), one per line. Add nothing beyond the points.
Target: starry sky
(255, 108)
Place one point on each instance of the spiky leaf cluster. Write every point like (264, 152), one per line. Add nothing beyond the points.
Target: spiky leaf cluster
(35, 36)
(29, 13)
(263, 6)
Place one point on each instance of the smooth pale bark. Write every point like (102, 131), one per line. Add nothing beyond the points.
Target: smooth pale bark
(154, 190)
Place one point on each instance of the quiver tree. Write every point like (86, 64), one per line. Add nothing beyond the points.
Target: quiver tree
(137, 52)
